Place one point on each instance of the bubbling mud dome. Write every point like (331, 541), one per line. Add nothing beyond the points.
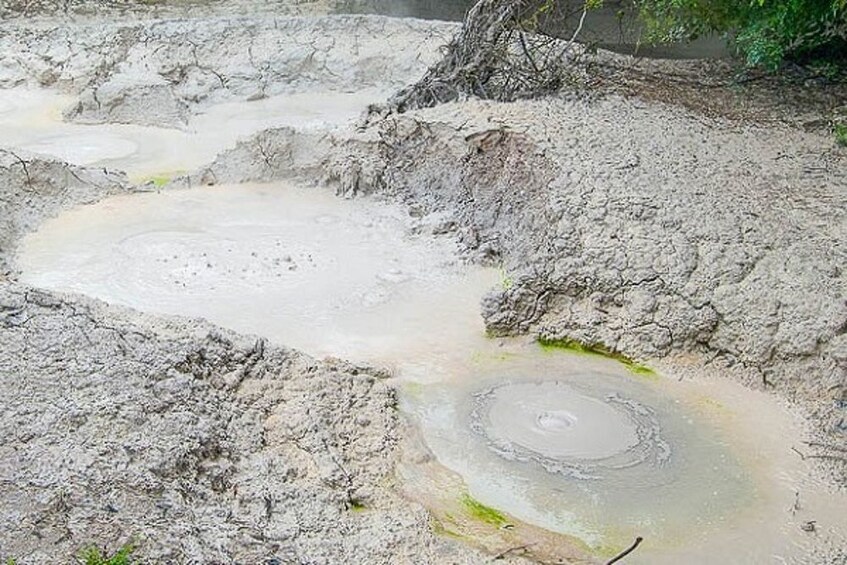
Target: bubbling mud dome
(566, 430)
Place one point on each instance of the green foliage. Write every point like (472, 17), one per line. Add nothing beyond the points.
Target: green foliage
(357, 505)
(766, 32)
(841, 134)
(94, 556)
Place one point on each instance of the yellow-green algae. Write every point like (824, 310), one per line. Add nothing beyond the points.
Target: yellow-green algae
(482, 512)
(439, 527)
(598, 349)
(357, 506)
(160, 179)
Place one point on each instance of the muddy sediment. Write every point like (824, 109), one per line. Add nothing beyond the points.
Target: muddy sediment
(705, 246)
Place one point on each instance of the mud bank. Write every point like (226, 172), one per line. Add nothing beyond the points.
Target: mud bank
(200, 445)
(160, 72)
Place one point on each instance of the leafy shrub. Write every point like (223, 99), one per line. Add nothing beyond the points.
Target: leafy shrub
(841, 133)
(766, 32)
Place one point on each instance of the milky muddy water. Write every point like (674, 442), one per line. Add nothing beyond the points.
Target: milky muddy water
(295, 264)
(578, 445)
(581, 445)
(32, 119)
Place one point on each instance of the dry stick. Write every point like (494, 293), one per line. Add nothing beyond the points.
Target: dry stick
(798, 452)
(578, 29)
(631, 548)
(509, 550)
(825, 446)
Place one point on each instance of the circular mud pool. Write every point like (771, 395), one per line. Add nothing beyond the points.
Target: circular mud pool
(583, 446)
(564, 429)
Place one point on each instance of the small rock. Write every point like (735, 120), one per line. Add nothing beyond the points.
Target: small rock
(809, 526)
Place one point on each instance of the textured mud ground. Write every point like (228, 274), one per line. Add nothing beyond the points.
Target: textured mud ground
(714, 244)
(197, 444)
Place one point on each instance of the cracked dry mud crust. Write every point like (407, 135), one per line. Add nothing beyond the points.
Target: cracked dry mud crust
(159, 72)
(147, 9)
(200, 445)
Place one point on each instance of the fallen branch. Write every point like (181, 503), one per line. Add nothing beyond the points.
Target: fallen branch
(509, 550)
(501, 54)
(626, 552)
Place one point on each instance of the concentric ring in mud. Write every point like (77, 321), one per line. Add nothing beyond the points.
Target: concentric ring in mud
(568, 430)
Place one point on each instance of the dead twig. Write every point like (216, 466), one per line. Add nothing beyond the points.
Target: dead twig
(509, 550)
(500, 54)
(627, 551)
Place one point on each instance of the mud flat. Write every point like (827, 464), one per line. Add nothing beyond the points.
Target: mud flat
(665, 281)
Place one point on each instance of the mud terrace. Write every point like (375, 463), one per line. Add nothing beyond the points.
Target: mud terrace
(698, 245)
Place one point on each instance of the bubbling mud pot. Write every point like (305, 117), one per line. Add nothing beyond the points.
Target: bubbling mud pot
(585, 447)
(293, 263)
(566, 430)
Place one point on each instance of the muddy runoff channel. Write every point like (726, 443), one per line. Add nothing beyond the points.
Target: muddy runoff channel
(275, 215)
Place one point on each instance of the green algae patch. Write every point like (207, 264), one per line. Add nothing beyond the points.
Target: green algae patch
(159, 180)
(506, 281)
(439, 527)
(598, 349)
(94, 556)
(357, 506)
(482, 512)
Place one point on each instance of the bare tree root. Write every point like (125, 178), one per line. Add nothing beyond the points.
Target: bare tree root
(499, 54)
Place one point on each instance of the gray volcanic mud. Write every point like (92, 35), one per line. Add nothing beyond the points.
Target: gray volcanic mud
(295, 264)
(573, 445)
(31, 119)
(587, 448)
(583, 450)
(210, 447)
